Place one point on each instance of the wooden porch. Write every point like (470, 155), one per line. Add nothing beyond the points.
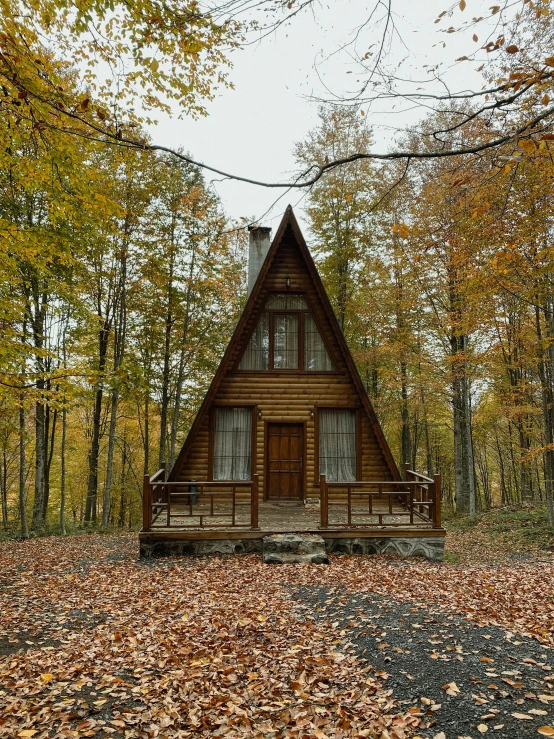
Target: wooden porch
(204, 510)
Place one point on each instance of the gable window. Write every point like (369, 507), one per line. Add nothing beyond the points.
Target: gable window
(286, 338)
(337, 444)
(232, 444)
(315, 353)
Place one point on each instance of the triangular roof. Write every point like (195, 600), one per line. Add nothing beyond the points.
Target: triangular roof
(288, 221)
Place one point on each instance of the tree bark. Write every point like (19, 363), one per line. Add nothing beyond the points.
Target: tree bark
(169, 320)
(22, 462)
(92, 485)
(545, 367)
(63, 471)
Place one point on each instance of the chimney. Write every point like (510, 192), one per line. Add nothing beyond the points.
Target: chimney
(258, 245)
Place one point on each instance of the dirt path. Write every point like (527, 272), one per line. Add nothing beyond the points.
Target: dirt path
(500, 682)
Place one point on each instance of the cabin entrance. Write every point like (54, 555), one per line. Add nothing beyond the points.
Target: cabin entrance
(284, 461)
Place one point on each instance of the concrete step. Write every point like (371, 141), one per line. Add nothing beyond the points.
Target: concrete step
(287, 548)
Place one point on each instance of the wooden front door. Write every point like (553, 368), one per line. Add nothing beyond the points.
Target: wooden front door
(284, 461)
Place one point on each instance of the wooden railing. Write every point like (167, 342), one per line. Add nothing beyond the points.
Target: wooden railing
(171, 504)
(409, 502)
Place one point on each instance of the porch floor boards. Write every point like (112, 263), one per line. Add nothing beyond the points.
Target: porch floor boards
(280, 517)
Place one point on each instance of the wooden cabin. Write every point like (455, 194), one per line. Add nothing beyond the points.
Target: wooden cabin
(286, 438)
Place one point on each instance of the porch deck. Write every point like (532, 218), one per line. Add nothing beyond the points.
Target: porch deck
(350, 512)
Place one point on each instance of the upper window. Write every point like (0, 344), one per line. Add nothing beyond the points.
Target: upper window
(286, 338)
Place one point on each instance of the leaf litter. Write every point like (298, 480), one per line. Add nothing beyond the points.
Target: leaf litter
(101, 645)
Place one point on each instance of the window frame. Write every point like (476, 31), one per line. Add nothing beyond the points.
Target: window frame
(358, 428)
(211, 438)
(301, 348)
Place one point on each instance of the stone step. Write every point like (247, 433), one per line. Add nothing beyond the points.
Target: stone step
(287, 548)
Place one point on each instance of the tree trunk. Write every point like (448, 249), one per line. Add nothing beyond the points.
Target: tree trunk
(166, 367)
(545, 367)
(106, 502)
(464, 467)
(4, 489)
(92, 485)
(40, 460)
(120, 328)
(22, 462)
(62, 471)
(181, 372)
(50, 439)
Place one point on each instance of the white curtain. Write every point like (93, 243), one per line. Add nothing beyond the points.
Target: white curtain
(232, 443)
(286, 301)
(315, 353)
(337, 444)
(285, 346)
(256, 355)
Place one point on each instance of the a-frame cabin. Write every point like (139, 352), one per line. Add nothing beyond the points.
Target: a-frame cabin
(286, 438)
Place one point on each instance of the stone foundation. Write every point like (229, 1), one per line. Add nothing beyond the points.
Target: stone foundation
(294, 548)
(430, 547)
(176, 548)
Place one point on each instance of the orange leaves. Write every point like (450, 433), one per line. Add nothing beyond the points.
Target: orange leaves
(401, 229)
(545, 731)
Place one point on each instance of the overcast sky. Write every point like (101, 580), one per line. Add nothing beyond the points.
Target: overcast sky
(251, 130)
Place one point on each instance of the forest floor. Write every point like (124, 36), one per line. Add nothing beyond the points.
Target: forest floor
(95, 643)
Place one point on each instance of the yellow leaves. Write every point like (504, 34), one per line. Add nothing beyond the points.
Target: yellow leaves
(486, 659)
(462, 5)
(27, 732)
(545, 99)
(545, 731)
(522, 716)
(528, 145)
(482, 728)
(549, 61)
(47, 677)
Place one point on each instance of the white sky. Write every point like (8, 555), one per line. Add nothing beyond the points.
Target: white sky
(251, 130)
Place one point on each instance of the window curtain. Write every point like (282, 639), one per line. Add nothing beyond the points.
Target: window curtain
(256, 355)
(286, 301)
(232, 452)
(285, 341)
(337, 444)
(285, 346)
(315, 353)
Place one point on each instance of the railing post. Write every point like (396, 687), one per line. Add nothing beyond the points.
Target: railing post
(407, 470)
(146, 504)
(254, 502)
(323, 503)
(437, 501)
